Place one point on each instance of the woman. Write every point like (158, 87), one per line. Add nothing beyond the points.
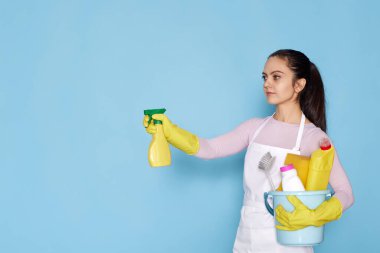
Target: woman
(292, 83)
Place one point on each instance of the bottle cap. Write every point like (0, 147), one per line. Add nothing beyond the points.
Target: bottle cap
(325, 144)
(287, 167)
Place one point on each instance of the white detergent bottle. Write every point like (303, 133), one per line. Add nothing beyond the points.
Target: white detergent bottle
(290, 179)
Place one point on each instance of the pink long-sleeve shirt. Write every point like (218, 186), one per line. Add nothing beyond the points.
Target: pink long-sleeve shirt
(279, 134)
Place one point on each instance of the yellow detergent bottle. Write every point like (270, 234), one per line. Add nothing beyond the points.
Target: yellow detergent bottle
(159, 151)
(320, 166)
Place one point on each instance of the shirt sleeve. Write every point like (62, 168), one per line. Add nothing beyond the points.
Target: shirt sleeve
(229, 143)
(341, 184)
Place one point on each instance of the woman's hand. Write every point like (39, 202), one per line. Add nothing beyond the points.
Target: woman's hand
(178, 137)
(151, 128)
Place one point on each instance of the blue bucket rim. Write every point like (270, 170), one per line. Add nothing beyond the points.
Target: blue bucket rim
(303, 193)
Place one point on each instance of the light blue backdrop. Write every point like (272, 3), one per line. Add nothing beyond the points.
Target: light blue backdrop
(76, 76)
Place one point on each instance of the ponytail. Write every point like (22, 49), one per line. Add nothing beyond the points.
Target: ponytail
(312, 99)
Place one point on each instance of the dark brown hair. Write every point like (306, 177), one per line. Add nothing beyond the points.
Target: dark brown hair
(312, 97)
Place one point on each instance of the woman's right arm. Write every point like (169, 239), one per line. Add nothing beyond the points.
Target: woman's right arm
(229, 143)
(221, 146)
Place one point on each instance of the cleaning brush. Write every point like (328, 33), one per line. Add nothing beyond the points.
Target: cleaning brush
(265, 164)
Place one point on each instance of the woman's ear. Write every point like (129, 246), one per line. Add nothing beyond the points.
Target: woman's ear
(299, 85)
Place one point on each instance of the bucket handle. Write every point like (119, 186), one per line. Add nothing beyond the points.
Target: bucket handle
(269, 208)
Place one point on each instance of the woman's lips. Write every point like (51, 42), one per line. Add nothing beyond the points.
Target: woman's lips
(269, 93)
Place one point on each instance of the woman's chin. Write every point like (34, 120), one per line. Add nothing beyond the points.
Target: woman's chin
(271, 101)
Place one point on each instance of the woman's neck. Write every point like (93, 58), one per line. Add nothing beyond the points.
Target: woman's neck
(289, 113)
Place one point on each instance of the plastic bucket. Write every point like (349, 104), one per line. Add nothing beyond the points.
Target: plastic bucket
(307, 236)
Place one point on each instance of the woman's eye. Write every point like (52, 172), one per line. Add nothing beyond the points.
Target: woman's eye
(276, 77)
(264, 78)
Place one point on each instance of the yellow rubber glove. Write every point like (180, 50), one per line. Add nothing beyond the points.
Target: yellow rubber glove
(178, 137)
(302, 216)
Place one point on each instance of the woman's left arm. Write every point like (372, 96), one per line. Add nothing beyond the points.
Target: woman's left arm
(341, 184)
(328, 211)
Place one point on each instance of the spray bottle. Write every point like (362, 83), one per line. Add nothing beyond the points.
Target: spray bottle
(320, 166)
(159, 151)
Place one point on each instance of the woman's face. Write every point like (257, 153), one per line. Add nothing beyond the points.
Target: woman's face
(279, 86)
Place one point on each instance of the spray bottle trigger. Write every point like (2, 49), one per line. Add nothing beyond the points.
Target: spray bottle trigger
(151, 112)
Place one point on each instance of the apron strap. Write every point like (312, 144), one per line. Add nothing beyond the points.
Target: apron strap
(300, 132)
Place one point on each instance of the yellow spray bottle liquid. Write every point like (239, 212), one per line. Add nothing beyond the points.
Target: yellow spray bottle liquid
(320, 166)
(159, 151)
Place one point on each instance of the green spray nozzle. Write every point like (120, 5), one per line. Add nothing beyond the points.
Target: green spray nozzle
(150, 112)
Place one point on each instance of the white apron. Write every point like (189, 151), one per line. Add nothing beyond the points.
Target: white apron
(256, 232)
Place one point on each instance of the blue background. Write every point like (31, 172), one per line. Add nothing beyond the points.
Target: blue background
(76, 76)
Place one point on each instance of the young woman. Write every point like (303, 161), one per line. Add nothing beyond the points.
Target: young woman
(293, 84)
